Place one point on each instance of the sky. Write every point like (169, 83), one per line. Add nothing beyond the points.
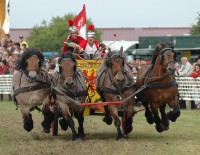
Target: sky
(108, 13)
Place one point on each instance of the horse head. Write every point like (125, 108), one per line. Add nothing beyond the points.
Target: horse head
(116, 62)
(166, 57)
(31, 63)
(67, 68)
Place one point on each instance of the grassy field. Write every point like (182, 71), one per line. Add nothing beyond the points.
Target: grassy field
(182, 138)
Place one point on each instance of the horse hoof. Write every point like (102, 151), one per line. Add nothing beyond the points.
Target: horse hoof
(28, 123)
(150, 121)
(63, 124)
(149, 117)
(173, 115)
(128, 129)
(46, 127)
(166, 128)
(121, 136)
(108, 120)
(81, 135)
(75, 137)
(46, 130)
(28, 128)
(160, 127)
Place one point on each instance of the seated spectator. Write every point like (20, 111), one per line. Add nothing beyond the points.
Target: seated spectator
(195, 74)
(4, 69)
(186, 67)
(196, 71)
(51, 69)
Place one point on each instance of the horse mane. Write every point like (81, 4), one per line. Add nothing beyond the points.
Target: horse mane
(67, 55)
(28, 54)
(159, 48)
(107, 57)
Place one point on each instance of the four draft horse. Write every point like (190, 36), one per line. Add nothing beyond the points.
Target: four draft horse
(115, 83)
(159, 88)
(74, 85)
(32, 87)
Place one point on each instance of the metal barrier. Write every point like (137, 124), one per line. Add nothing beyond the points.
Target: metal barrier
(5, 84)
(189, 88)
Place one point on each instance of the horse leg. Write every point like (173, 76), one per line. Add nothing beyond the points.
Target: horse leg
(148, 113)
(63, 124)
(117, 122)
(173, 115)
(67, 115)
(107, 118)
(164, 117)
(157, 120)
(79, 116)
(27, 119)
(129, 119)
(48, 118)
(70, 122)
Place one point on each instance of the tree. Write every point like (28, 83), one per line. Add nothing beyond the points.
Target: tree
(196, 27)
(50, 36)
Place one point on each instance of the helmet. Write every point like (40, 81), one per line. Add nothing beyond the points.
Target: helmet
(72, 28)
(91, 32)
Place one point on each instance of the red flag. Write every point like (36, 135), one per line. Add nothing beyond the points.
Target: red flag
(80, 22)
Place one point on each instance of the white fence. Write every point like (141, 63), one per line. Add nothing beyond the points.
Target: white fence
(189, 88)
(5, 84)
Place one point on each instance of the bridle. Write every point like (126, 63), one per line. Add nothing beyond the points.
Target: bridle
(60, 67)
(168, 52)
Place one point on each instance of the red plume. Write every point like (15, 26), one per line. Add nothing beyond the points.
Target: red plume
(114, 35)
(91, 27)
(70, 22)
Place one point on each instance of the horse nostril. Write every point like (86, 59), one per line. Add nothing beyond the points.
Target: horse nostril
(120, 80)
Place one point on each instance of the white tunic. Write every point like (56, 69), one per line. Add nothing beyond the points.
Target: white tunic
(91, 51)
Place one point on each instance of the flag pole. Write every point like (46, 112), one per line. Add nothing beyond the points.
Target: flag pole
(2, 16)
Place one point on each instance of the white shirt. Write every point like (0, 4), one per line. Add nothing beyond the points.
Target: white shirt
(90, 50)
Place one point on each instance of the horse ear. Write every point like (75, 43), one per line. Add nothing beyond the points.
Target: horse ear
(59, 69)
(109, 52)
(159, 46)
(121, 50)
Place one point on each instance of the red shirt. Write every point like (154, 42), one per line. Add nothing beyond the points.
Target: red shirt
(4, 70)
(70, 39)
(195, 74)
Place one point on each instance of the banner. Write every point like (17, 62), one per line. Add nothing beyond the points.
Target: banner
(6, 24)
(80, 22)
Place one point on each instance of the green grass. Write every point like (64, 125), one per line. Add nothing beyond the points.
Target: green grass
(183, 137)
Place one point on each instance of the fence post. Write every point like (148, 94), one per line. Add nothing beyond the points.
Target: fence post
(188, 104)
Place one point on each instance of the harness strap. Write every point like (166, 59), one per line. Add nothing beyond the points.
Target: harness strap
(30, 88)
(115, 91)
(78, 94)
(159, 86)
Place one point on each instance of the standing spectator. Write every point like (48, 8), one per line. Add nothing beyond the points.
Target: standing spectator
(24, 48)
(198, 60)
(186, 67)
(21, 38)
(6, 41)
